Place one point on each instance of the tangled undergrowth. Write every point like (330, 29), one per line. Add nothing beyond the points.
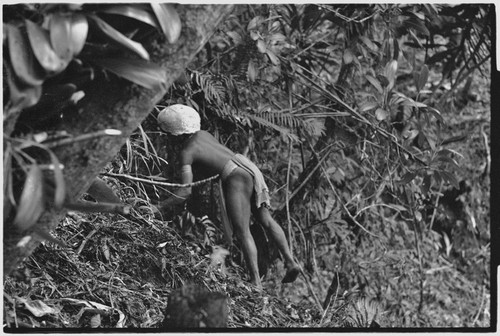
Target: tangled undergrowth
(118, 272)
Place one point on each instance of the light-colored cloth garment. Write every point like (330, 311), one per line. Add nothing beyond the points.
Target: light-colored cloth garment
(261, 191)
(259, 184)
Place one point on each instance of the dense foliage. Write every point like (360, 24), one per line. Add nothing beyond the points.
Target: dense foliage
(371, 126)
(368, 173)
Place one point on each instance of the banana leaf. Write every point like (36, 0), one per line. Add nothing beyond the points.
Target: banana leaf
(119, 38)
(146, 74)
(169, 20)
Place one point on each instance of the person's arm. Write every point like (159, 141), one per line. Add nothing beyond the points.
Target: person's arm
(181, 194)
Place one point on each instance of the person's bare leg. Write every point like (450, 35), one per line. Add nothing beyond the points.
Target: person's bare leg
(238, 190)
(278, 235)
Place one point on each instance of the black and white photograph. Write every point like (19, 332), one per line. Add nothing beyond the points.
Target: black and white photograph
(253, 168)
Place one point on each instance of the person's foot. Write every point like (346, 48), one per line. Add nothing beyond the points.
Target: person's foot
(291, 274)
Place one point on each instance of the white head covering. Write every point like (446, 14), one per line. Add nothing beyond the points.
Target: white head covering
(179, 119)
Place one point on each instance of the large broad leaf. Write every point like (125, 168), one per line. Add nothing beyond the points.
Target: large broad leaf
(169, 20)
(20, 94)
(31, 203)
(148, 75)
(396, 50)
(60, 35)
(79, 31)
(381, 114)
(261, 46)
(440, 56)
(376, 84)
(272, 56)
(255, 23)
(348, 56)
(42, 48)
(134, 12)
(60, 191)
(406, 178)
(119, 38)
(37, 307)
(436, 114)
(413, 22)
(236, 37)
(372, 46)
(423, 75)
(367, 106)
(23, 62)
(448, 177)
(390, 72)
(252, 71)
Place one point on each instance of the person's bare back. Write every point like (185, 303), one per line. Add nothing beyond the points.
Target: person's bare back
(205, 154)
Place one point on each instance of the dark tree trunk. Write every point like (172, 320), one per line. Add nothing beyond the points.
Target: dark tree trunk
(116, 104)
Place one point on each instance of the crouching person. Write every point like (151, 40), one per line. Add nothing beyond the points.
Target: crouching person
(244, 189)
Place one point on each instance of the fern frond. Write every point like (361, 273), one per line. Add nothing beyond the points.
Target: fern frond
(291, 121)
(363, 313)
(217, 89)
(266, 123)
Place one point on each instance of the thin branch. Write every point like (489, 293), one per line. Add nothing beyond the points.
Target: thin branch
(337, 196)
(487, 148)
(88, 136)
(287, 195)
(376, 205)
(436, 205)
(294, 193)
(165, 184)
(84, 242)
(480, 308)
(416, 229)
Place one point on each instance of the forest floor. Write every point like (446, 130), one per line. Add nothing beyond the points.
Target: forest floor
(119, 272)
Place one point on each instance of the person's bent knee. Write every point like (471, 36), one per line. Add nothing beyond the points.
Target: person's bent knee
(265, 217)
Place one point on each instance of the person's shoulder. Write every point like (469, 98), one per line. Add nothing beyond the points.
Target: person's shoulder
(203, 133)
(202, 136)
(197, 139)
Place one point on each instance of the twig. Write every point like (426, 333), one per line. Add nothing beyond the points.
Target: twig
(287, 200)
(419, 255)
(83, 137)
(480, 308)
(109, 285)
(296, 190)
(82, 245)
(376, 205)
(165, 184)
(47, 277)
(15, 314)
(240, 324)
(329, 298)
(132, 292)
(337, 196)
(301, 231)
(488, 155)
(436, 204)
